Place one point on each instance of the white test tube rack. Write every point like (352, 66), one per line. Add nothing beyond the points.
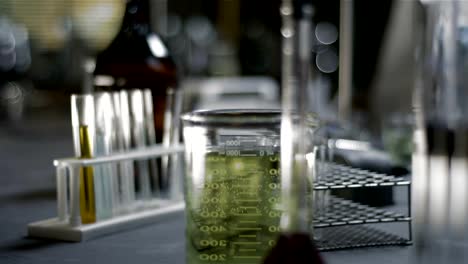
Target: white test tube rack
(67, 225)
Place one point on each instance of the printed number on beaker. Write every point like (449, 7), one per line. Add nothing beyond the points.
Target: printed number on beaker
(213, 257)
(212, 186)
(233, 152)
(213, 229)
(219, 172)
(215, 158)
(213, 243)
(213, 200)
(274, 214)
(274, 229)
(273, 172)
(273, 200)
(274, 186)
(213, 214)
(232, 143)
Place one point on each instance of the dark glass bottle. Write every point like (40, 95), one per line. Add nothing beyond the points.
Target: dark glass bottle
(294, 248)
(137, 58)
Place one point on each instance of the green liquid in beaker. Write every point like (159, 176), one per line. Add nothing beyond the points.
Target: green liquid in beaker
(232, 214)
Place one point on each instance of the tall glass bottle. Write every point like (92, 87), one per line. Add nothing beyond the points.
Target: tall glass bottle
(137, 58)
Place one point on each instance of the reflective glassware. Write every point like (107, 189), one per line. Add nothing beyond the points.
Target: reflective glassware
(105, 174)
(233, 184)
(83, 122)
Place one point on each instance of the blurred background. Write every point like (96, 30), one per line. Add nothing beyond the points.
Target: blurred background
(227, 54)
(44, 43)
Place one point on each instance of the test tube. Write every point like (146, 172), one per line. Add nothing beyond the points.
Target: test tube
(122, 142)
(150, 135)
(170, 164)
(138, 139)
(117, 145)
(83, 122)
(312, 202)
(104, 174)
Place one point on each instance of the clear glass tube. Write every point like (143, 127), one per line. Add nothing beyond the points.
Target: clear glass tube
(150, 135)
(170, 165)
(122, 142)
(106, 190)
(83, 122)
(138, 139)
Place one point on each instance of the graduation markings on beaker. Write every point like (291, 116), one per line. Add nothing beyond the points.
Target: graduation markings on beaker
(239, 220)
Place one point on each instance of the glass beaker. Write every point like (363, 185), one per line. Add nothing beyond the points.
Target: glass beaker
(233, 184)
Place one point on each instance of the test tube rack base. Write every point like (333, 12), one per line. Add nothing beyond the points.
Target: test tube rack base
(67, 225)
(54, 228)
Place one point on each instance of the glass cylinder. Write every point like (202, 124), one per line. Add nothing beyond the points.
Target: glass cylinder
(150, 138)
(83, 122)
(233, 187)
(138, 140)
(106, 186)
(122, 143)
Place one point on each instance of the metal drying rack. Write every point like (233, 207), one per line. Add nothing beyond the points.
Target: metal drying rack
(343, 224)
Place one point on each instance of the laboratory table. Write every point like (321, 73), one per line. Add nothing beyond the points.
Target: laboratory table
(27, 194)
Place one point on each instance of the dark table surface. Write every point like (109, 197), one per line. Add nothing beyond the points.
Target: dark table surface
(27, 194)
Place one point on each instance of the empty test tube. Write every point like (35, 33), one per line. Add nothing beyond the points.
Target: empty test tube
(117, 145)
(150, 135)
(138, 139)
(104, 174)
(122, 142)
(170, 164)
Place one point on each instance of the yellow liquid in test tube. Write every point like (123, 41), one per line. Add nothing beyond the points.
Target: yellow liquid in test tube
(87, 201)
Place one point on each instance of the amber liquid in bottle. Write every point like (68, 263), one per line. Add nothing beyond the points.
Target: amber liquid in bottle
(87, 201)
(137, 58)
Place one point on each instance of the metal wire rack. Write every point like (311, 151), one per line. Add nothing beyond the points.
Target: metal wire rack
(344, 224)
(341, 212)
(339, 176)
(346, 237)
